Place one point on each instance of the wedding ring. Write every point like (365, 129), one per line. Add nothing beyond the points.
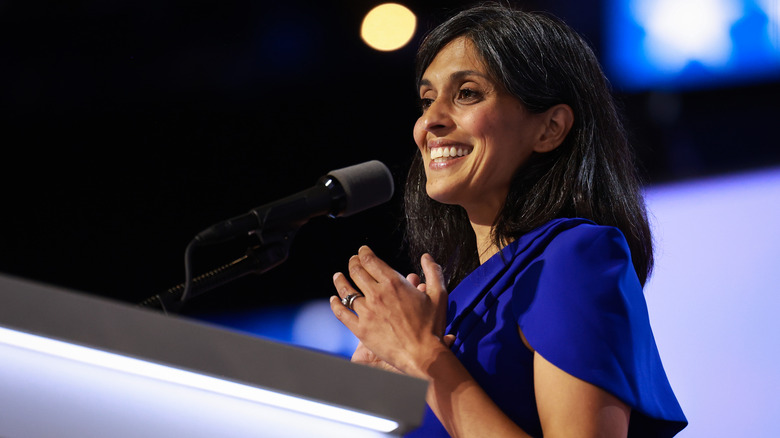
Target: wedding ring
(349, 299)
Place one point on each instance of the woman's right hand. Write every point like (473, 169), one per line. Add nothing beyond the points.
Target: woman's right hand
(367, 357)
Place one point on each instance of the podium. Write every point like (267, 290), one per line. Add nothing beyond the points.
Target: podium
(74, 365)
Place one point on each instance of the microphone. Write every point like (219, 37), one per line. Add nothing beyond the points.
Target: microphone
(341, 192)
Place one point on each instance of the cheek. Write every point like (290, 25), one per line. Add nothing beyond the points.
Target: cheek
(419, 135)
(480, 124)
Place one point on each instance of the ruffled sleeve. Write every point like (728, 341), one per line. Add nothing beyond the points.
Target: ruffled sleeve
(581, 306)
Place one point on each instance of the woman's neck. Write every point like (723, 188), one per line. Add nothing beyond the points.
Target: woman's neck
(486, 246)
(482, 217)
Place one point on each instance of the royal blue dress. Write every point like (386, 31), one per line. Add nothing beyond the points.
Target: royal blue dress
(571, 288)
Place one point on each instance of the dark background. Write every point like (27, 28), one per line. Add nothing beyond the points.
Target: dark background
(129, 126)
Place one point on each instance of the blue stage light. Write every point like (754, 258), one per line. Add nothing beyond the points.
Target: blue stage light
(679, 44)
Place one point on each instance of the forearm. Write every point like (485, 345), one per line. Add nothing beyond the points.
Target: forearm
(460, 403)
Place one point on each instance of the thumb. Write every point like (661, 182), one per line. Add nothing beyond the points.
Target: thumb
(436, 291)
(434, 278)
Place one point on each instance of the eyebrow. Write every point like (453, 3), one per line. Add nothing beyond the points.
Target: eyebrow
(460, 74)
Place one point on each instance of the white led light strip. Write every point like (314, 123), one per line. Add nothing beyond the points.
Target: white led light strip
(190, 379)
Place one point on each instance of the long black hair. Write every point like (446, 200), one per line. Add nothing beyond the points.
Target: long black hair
(542, 62)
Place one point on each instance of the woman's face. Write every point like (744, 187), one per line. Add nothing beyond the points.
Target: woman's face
(473, 135)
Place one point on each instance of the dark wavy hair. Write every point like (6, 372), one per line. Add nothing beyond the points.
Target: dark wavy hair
(542, 62)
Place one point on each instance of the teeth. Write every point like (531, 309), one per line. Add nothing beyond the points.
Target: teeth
(448, 152)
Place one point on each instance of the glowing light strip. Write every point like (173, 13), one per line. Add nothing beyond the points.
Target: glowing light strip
(190, 379)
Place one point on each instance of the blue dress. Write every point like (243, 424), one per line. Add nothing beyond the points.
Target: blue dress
(571, 288)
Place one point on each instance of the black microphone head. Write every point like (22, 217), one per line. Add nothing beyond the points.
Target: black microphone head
(366, 185)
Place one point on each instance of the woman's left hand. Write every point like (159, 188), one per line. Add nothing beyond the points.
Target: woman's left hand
(400, 322)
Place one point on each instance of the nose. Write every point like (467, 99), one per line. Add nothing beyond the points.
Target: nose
(437, 117)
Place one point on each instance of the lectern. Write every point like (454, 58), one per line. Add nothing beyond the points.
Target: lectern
(75, 365)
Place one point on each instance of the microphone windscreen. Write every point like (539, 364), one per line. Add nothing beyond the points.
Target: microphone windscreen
(366, 185)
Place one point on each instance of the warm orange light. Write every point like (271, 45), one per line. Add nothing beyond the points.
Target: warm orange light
(389, 26)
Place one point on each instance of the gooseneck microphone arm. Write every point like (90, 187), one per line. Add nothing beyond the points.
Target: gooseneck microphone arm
(275, 239)
(257, 260)
(341, 192)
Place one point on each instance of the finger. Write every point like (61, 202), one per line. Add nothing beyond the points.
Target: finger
(358, 303)
(414, 279)
(375, 266)
(363, 280)
(349, 319)
(436, 290)
(359, 350)
(343, 287)
(362, 354)
(448, 340)
(434, 277)
(416, 282)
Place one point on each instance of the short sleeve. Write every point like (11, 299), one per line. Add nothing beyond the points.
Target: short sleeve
(581, 306)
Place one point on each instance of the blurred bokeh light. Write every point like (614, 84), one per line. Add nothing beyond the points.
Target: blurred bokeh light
(388, 26)
(675, 44)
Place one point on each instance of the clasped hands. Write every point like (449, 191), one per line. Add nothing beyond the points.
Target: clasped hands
(399, 320)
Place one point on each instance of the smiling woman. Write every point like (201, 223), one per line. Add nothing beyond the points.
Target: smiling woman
(490, 132)
(524, 189)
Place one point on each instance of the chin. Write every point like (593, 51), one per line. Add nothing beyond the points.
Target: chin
(442, 195)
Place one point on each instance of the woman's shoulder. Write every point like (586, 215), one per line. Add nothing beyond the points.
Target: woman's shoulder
(571, 238)
(579, 303)
(585, 238)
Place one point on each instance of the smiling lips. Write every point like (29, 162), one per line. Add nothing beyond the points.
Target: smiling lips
(441, 154)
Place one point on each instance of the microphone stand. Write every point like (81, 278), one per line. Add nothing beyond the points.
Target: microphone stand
(278, 224)
(273, 251)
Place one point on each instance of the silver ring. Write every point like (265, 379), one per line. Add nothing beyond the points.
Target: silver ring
(349, 299)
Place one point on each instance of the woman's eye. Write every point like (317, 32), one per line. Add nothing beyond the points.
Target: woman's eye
(425, 103)
(467, 94)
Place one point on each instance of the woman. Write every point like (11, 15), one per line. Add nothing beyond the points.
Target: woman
(525, 190)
